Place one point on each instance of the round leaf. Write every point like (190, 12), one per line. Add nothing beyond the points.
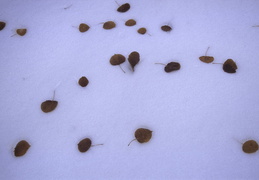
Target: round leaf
(133, 59)
(83, 27)
(83, 81)
(229, 66)
(49, 105)
(172, 66)
(117, 59)
(84, 145)
(124, 8)
(143, 135)
(250, 146)
(109, 25)
(21, 148)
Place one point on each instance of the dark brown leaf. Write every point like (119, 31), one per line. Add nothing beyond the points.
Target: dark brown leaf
(84, 145)
(21, 32)
(109, 25)
(250, 146)
(166, 28)
(229, 66)
(117, 59)
(172, 66)
(21, 148)
(130, 22)
(2, 25)
(143, 135)
(49, 105)
(142, 30)
(83, 27)
(206, 59)
(133, 59)
(124, 8)
(83, 81)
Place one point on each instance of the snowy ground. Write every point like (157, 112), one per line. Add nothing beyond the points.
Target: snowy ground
(199, 115)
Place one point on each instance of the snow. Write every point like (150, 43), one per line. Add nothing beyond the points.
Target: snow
(199, 115)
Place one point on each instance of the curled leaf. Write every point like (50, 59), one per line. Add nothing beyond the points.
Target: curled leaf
(109, 25)
(250, 146)
(133, 59)
(83, 81)
(166, 28)
(130, 22)
(21, 32)
(229, 66)
(206, 59)
(84, 145)
(49, 105)
(142, 30)
(21, 148)
(83, 27)
(124, 8)
(172, 66)
(2, 25)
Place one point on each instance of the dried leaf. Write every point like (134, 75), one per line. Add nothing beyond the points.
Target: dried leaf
(83, 81)
(2, 25)
(250, 146)
(83, 27)
(130, 22)
(84, 145)
(21, 148)
(142, 30)
(133, 59)
(166, 28)
(143, 135)
(21, 32)
(172, 66)
(109, 25)
(206, 59)
(229, 66)
(117, 59)
(49, 105)
(124, 8)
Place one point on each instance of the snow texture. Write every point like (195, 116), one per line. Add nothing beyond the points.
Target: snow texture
(199, 115)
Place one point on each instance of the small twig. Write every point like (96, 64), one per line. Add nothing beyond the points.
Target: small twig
(122, 69)
(256, 26)
(67, 7)
(207, 51)
(160, 64)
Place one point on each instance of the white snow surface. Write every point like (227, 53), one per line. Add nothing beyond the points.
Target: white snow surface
(199, 115)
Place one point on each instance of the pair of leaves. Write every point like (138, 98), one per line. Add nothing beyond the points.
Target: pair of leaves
(2, 25)
(21, 148)
(83, 81)
(142, 135)
(83, 27)
(130, 22)
(124, 8)
(166, 28)
(109, 25)
(250, 146)
(118, 59)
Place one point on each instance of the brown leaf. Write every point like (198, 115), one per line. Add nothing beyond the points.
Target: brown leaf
(117, 59)
(229, 66)
(83, 81)
(166, 28)
(143, 135)
(206, 59)
(21, 148)
(250, 146)
(49, 105)
(109, 25)
(142, 30)
(130, 22)
(83, 27)
(124, 8)
(172, 66)
(84, 145)
(133, 59)
(21, 32)
(2, 25)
